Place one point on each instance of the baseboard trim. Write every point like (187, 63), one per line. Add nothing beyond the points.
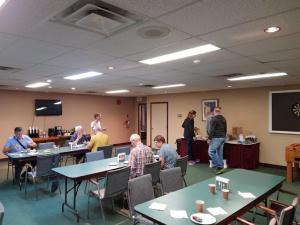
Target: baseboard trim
(273, 166)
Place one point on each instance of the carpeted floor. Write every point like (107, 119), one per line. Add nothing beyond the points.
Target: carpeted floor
(47, 209)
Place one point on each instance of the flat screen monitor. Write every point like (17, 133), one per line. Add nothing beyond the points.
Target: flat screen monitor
(48, 107)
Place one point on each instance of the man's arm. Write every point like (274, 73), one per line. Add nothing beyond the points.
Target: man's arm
(6, 149)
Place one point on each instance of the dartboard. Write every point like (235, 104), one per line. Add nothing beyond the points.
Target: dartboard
(296, 109)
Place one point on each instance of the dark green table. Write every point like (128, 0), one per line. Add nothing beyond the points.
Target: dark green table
(260, 184)
(81, 172)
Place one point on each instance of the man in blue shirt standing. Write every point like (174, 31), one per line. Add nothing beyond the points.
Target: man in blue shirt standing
(18, 142)
(167, 154)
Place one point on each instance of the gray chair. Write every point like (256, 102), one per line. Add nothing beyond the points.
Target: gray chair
(124, 149)
(171, 180)
(94, 156)
(43, 169)
(139, 191)
(107, 150)
(182, 163)
(286, 216)
(154, 170)
(116, 184)
(45, 145)
(12, 166)
(1, 213)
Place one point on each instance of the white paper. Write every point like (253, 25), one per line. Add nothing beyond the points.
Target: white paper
(216, 211)
(178, 214)
(158, 206)
(246, 194)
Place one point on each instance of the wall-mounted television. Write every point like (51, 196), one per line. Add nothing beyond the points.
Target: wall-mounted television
(48, 107)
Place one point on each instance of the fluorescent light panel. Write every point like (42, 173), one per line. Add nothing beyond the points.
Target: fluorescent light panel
(116, 91)
(37, 85)
(169, 86)
(181, 54)
(258, 76)
(2, 2)
(83, 75)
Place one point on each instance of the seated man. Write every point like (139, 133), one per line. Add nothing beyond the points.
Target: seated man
(167, 154)
(139, 156)
(98, 140)
(18, 143)
(79, 137)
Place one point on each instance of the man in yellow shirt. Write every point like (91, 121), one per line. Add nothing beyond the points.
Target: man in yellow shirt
(98, 140)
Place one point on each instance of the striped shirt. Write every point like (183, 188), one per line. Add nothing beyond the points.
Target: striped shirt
(138, 158)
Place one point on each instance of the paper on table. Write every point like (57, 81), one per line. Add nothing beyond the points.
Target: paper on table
(158, 206)
(246, 194)
(216, 211)
(178, 214)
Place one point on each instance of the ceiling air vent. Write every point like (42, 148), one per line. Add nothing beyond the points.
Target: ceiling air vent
(97, 16)
(9, 69)
(91, 92)
(231, 75)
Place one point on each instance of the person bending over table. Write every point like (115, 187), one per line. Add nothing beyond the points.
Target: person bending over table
(98, 140)
(167, 154)
(139, 156)
(17, 143)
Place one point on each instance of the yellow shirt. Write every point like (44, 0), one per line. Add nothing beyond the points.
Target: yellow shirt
(98, 140)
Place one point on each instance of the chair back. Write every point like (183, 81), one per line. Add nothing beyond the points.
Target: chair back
(94, 156)
(124, 149)
(139, 191)
(287, 216)
(154, 170)
(44, 164)
(116, 182)
(107, 150)
(171, 179)
(1, 213)
(45, 145)
(182, 163)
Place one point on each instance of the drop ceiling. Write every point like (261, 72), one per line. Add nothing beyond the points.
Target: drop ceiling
(42, 49)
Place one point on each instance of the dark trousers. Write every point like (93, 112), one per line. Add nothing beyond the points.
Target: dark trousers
(189, 145)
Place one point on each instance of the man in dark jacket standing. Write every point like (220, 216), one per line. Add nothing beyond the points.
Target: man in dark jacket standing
(189, 133)
(216, 140)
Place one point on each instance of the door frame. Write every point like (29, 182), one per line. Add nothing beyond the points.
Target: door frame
(152, 103)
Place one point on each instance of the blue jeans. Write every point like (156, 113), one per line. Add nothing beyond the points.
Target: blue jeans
(215, 151)
(189, 144)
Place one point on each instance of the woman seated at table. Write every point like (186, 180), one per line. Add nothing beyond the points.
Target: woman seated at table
(167, 154)
(79, 137)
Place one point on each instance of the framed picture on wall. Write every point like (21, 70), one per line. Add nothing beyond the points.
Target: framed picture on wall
(208, 106)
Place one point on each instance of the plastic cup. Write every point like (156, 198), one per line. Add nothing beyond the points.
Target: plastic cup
(212, 188)
(225, 193)
(199, 205)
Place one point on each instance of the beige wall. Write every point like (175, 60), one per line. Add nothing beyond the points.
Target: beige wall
(247, 108)
(17, 109)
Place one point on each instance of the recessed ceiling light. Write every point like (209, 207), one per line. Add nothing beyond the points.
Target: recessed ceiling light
(73, 88)
(83, 75)
(229, 86)
(37, 85)
(116, 91)
(168, 86)
(49, 81)
(258, 76)
(111, 67)
(196, 61)
(272, 29)
(141, 84)
(2, 2)
(181, 54)
(50, 87)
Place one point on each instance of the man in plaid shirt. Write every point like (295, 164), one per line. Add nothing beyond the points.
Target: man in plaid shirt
(139, 156)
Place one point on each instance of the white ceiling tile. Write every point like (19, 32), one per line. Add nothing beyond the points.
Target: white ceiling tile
(29, 50)
(23, 16)
(269, 45)
(253, 31)
(279, 56)
(129, 42)
(79, 58)
(211, 15)
(6, 40)
(152, 8)
(64, 35)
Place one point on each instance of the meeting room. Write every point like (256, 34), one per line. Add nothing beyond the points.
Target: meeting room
(175, 112)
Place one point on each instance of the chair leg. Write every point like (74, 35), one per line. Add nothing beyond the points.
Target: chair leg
(7, 171)
(101, 207)
(88, 208)
(184, 181)
(25, 188)
(35, 188)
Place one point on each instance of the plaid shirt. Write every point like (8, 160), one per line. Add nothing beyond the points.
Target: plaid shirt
(139, 156)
